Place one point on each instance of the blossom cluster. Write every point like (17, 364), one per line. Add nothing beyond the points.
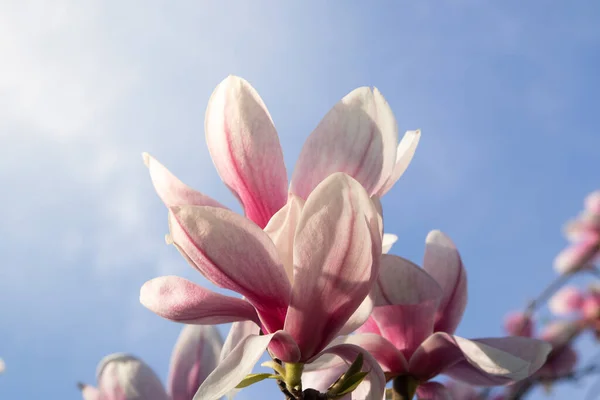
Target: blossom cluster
(338, 316)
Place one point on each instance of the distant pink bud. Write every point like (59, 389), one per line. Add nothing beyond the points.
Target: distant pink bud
(579, 255)
(591, 306)
(567, 300)
(518, 324)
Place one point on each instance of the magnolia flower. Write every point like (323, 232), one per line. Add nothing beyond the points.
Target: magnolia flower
(304, 278)
(358, 136)
(584, 233)
(410, 331)
(125, 377)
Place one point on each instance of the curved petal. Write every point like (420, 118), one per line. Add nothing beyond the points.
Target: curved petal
(592, 202)
(489, 362)
(281, 229)
(245, 149)
(404, 155)
(388, 241)
(373, 387)
(235, 366)
(321, 379)
(237, 333)
(234, 254)
(195, 355)
(180, 300)
(389, 358)
(443, 263)
(337, 247)
(433, 391)
(126, 377)
(359, 318)
(461, 391)
(358, 136)
(401, 282)
(567, 300)
(171, 190)
(406, 298)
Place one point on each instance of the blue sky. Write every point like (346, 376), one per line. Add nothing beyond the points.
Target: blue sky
(505, 93)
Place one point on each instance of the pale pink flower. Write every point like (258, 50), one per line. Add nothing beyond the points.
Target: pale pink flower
(359, 137)
(567, 300)
(124, 377)
(304, 278)
(591, 305)
(2, 366)
(410, 331)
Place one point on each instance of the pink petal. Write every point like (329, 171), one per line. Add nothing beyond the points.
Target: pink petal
(578, 256)
(558, 332)
(89, 392)
(359, 318)
(124, 377)
(194, 357)
(401, 282)
(434, 391)
(237, 333)
(171, 190)
(180, 300)
(245, 149)
(388, 241)
(321, 379)
(373, 387)
(443, 262)
(406, 299)
(481, 362)
(518, 324)
(358, 136)
(567, 300)
(281, 229)
(404, 155)
(388, 357)
(337, 247)
(370, 326)
(234, 254)
(234, 368)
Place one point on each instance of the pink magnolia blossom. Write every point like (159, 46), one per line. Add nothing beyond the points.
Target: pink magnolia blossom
(124, 377)
(305, 278)
(358, 136)
(584, 234)
(410, 331)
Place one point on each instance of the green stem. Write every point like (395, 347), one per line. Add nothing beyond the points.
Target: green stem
(293, 377)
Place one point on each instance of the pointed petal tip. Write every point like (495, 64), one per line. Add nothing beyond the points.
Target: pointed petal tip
(147, 158)
(169, 239)
(438, 237)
